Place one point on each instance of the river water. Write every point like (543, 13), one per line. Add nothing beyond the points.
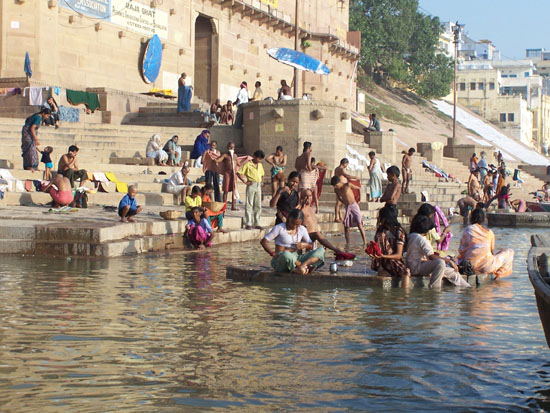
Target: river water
(170, 333)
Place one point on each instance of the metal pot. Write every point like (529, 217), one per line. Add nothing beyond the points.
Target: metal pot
(333, 268)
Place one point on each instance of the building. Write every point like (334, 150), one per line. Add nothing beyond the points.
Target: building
(469, 49)
(508, 94)
(99, 43)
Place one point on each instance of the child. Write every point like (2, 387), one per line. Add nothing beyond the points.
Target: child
(128, 207)
(406, 168)
(421, 259)
(393, 190)
(353, 217)
(252, 174)
(198, 231)
(504, 197)
(47, 160)
(191, 201)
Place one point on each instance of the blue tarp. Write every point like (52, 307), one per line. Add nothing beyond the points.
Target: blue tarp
(298, 60)
(152, 59)
(27, 65)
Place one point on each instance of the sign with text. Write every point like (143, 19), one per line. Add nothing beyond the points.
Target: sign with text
(272, 3)
(129, 14)
(92, 8)
(139, 18)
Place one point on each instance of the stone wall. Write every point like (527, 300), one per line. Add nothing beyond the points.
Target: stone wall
(75, 51)
(291, 123)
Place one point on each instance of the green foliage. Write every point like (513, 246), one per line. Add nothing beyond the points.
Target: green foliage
(399, 43)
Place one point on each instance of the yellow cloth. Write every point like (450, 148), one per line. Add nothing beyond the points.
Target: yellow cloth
(252, 173)
(258, 94)
(433, 237)
(191, 202)
(477, 245)
(120, 186)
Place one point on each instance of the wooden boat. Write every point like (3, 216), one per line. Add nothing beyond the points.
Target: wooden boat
(537, 267)
(357, 275)
(538, 206)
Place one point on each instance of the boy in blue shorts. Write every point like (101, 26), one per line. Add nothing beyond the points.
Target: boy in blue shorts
(128, 207)
(47, 161)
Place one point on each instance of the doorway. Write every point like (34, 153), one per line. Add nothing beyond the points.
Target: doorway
(206, 52)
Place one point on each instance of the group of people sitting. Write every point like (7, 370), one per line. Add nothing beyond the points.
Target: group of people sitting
(168, 154)
(423, 251)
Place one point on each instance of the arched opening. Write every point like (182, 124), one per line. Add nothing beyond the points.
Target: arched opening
(206, 52)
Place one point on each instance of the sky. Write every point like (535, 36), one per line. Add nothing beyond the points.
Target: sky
(511, 25)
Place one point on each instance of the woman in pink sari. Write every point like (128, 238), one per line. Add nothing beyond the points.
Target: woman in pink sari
(477, 245)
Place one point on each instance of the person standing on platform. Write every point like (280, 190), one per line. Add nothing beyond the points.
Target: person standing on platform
(211, 174)
(353, 216)
(277, 160)
(29, 139)
(252, 174)
(185, 93)
(483, 167)
(375, 182)
(242, 97)
(393, 190)
(308, 174)
(406, 163)
(230, 167)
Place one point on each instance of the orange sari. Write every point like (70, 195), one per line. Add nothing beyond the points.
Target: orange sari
(477, 245)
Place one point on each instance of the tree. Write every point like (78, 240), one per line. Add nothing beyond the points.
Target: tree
(400, 43)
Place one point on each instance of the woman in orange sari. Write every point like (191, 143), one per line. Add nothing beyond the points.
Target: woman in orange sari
(477, 245)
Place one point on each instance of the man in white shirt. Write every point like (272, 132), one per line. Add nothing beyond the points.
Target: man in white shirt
(242, 97)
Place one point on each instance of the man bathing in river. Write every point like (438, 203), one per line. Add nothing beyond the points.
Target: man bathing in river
(308, 174)
(353, 217)
(341, 172)
(291, 240)
(310, 221)
(277, 160)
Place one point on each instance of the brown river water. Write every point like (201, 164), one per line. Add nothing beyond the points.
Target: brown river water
(170, 333)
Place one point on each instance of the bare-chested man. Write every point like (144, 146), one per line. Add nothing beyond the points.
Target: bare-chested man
(353, 217)
(277, 161)
(310, 221)
(474, 186)
(63, 195)
(341, 172)
(308, 173)
(406, 169)
(285, 93)
(230, 166)
(68, 166)
(393, 190)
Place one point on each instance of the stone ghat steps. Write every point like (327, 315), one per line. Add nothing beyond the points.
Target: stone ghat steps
(103, 235)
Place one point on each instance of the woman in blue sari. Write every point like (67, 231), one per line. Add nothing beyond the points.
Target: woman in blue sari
(29, 139)
(184, 95)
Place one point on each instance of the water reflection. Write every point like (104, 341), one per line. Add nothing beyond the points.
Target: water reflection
(170, 332)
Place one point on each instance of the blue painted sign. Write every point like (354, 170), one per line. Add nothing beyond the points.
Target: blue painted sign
(152, 59)
(92, 8)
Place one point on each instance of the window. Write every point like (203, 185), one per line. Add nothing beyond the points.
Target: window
(526, 74)
(503, 75)
(473, 86)
(503, 117)
(463, 86)
(513, 75)
(510, 117)
(492, 86)
(480, 86)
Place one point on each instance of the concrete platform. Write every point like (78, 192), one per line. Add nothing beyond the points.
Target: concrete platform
(524, 219)
(95, 232)
(358, 275)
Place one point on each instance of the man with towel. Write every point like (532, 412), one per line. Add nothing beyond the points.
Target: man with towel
(308, 174)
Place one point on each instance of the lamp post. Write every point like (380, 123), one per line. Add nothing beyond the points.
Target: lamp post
(296, 45)
(457, 29)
